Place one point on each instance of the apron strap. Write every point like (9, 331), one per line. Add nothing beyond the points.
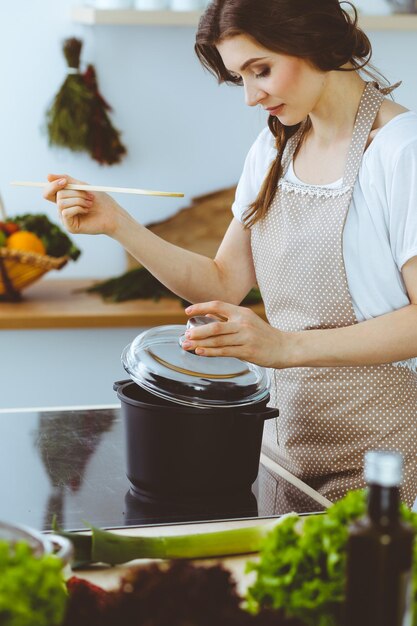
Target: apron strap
(369, 106)
(290, 148)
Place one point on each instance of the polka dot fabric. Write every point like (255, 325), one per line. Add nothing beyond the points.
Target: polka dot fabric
(329, 417)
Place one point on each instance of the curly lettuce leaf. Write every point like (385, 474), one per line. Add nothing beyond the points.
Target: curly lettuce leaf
(302, 564)
(32, 589)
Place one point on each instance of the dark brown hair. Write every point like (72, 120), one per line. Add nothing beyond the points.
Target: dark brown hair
(320, 31)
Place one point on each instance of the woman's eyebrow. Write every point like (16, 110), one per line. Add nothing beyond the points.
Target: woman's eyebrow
(250, 61)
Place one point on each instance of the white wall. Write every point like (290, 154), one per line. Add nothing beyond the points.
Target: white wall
(66, 367)
(183, 131)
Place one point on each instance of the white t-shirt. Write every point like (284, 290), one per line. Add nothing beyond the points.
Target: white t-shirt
(380, 234)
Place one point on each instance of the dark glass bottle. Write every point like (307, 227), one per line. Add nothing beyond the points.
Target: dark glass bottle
(379, 551)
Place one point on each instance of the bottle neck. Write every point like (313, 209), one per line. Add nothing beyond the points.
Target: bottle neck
(383, 504)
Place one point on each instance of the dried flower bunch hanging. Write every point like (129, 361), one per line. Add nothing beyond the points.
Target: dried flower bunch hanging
(78, 118)
(105, 144)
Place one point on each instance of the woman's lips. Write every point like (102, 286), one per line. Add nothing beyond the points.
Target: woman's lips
(276, 110)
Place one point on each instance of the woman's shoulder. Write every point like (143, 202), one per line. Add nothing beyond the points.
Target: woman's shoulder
(264, 143)
(388, 111)
(260, 155)
(258, 159)
(396, 133)
(395, 121)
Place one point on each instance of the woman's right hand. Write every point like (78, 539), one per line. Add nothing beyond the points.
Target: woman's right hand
(82, 211)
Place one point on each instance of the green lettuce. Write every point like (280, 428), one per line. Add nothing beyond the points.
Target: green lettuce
(32, 589)
(302, 564)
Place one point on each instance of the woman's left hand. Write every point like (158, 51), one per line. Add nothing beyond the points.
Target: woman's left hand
(242, 334)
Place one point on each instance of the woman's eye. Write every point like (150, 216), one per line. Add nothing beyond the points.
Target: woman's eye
(235, 78)
(263, 73)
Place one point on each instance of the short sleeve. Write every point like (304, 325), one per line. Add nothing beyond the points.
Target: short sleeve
(257, 163)
(403, 205)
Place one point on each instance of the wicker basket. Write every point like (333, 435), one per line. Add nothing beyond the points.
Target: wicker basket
(19, 269)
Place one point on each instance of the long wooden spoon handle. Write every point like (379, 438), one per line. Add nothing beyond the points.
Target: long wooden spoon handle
(79, 187)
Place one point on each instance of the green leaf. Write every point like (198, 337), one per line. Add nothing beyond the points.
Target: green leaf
(302, 564)
(32, 589)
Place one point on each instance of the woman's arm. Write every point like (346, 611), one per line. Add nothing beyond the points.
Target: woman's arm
(385, 339)
(192, 276)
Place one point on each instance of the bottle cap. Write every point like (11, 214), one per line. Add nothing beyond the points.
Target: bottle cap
(383, 468)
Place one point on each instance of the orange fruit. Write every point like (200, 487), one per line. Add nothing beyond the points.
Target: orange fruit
(26, 241)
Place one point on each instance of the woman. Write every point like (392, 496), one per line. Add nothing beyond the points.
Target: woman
(325, 222)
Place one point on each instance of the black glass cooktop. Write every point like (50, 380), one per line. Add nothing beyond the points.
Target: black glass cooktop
(69, 464)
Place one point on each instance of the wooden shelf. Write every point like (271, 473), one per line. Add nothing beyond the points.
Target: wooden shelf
(64, 303)
(132, 17)
(402, 22)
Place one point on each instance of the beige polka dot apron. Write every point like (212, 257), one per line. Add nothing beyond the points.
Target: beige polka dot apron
(329, 416)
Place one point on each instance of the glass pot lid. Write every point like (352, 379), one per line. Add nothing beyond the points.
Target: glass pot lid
(156, 361)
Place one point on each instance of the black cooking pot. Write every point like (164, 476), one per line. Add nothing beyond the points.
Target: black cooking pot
(193, 424)
(177, 451)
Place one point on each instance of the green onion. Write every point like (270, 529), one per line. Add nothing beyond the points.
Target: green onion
(103, 546)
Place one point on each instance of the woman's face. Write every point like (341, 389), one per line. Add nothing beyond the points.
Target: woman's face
(285, 86)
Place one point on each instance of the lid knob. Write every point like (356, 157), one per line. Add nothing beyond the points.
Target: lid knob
(194, 322)
(200, 320)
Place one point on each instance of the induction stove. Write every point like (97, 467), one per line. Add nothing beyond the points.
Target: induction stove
(68, 464)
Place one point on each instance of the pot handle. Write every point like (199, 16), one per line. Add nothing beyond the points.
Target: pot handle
(267, 414)
(270, 412)
(119, 383)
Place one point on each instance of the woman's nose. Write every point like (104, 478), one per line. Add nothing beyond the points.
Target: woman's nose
(253, 95)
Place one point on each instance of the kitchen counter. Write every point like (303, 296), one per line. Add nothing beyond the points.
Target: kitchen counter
(63, 303)
(70, 464)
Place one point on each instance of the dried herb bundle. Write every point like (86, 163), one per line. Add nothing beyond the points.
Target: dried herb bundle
(105, 144)
(69, 116)
(78, 118)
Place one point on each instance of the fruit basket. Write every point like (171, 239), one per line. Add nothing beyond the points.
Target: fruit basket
(19, 268)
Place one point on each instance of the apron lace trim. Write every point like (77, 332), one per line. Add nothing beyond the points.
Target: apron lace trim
(313, 191)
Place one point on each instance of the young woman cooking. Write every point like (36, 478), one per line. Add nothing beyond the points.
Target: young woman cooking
(324, 221)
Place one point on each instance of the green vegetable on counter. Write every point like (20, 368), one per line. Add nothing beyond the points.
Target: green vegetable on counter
(32, 589)
(103, 546)
(139, 283)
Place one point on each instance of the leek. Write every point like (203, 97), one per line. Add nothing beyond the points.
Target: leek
(103, 546)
